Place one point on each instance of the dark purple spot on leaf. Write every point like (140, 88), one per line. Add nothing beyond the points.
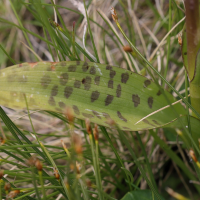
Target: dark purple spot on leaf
(112, 73)
(87, 83)
(109, 99)
(62, 105)
(185, 53)
(108, 67)
(54, 90)
(156, 122)
(94, 96)
(58, 109)
(136, 100)
(92, 70)
(121, 117)
(68, 91)
(124, 77)
(150, 102)
(22, 79)
(147, 83)
(32, 102)
(125, 127)
(118, 91)
(96, 114)
(77, 84)
(83, 81)
(159, 93)
(63, 78)
(87, 115)
(97, 80)
(106, 115)
(110, 84)
(13, 94)
(51, 101)
(78, 62)
(10, 77)
(85, 67)
(63, 63)
(147, 122)
(76, 110)
(72, 68)
(45, 81)
(49, 68)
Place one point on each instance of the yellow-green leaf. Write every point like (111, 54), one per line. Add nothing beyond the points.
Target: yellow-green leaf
(95, 91)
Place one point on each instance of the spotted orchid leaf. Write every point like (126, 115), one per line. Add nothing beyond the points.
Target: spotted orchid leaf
(95, 91)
